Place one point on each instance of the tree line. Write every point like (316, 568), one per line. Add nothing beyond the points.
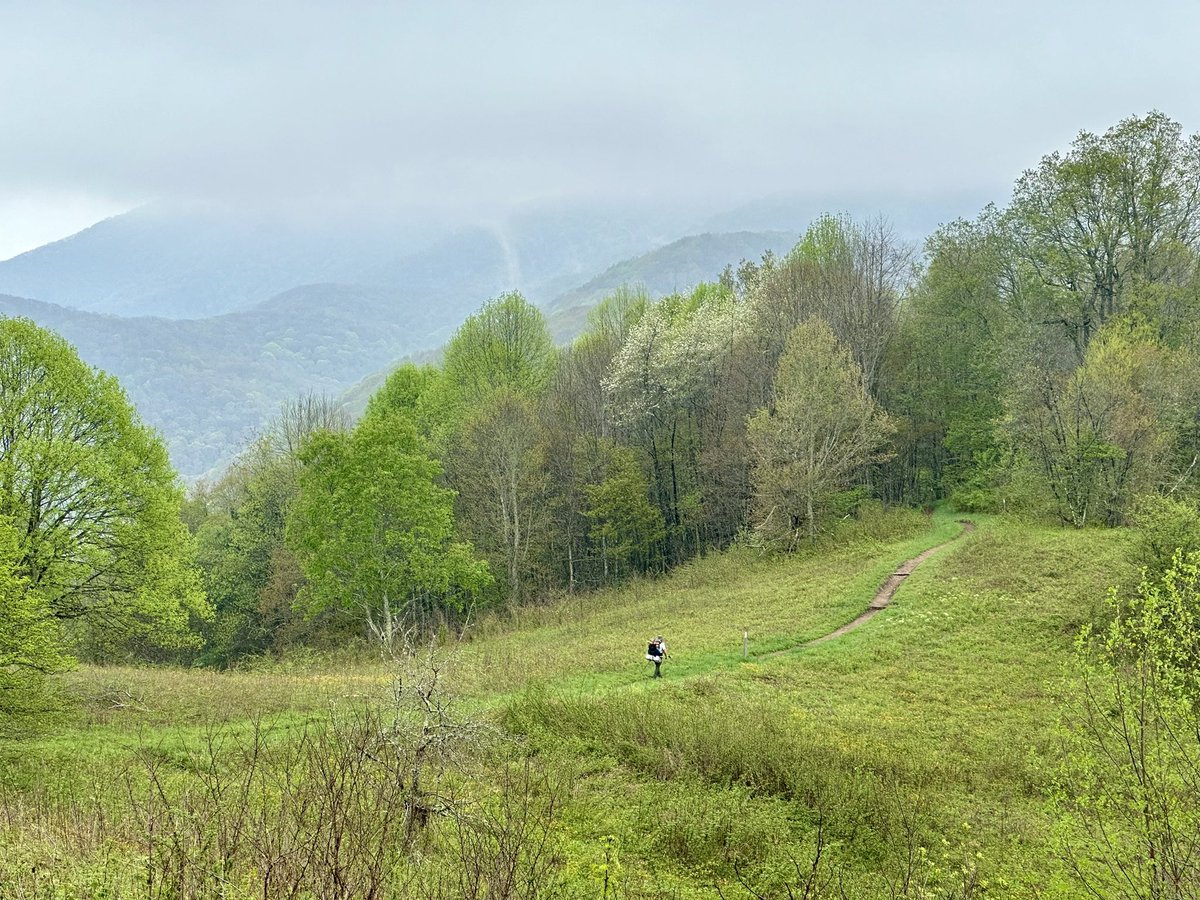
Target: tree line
(1041, 358)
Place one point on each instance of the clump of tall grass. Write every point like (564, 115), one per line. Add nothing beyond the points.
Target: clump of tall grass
(734, 741)
(866, 801)
(873, 522)
(367, 801)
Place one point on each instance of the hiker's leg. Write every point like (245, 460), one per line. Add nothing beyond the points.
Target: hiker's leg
(657, 663)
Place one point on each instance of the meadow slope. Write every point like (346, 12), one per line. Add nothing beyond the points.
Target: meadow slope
(919, 748)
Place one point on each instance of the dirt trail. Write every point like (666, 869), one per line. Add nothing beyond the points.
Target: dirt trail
(883, 596)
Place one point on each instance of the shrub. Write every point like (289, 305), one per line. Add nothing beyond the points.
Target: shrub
(1165, 526)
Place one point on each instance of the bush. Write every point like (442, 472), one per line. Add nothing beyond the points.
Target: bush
(1130, 780)
(1165, 526)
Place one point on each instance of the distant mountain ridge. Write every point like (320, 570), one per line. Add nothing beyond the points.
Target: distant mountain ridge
(209, 384)
(211, 321)
(186, 265)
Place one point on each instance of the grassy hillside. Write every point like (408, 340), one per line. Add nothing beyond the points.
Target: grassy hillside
(921, 743)
(940, 714)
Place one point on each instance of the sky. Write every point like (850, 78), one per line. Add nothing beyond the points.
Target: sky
(471, 108)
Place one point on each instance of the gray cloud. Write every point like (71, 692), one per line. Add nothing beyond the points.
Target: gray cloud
(457, 105)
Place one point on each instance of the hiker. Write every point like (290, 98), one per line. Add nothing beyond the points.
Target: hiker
(656, 652)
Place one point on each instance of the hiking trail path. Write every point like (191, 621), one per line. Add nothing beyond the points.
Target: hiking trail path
(883, 596)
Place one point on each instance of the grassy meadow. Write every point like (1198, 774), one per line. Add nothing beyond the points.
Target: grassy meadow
(914, 756)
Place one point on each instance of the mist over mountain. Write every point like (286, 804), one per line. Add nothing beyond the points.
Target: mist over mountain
(208, 384)
(159, 261)
(189, 264)
(211, 320)
(912, 217)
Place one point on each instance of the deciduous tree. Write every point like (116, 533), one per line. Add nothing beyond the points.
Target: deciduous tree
(822, 428)
(504, 346)
(95, 505)
(374, 532)
(1100, 435)
(250, 575)
(498, 367)
(1117, 209)
(502, 484)
(625, 525)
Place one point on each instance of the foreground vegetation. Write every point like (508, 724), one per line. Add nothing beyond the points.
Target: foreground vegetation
(917, 754)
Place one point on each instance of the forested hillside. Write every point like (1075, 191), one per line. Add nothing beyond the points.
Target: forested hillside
(1042, 361)
(210, 384)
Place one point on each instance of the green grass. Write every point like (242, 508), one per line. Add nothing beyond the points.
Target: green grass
(935, 723)
(950, 694)
(597, 641)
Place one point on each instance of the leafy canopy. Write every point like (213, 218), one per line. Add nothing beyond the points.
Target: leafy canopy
(92, 499)
(373, 529)
(504, 346)
(823, 429)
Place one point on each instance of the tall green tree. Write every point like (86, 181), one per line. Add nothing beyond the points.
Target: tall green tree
(576, 423)
(822, 429)
(1101, 435)
(504, 346)
(625, 525)
(374, 532)
(1117, 210)
(947, 371)
(499, 472)
(250, 575)
(92, 497)
(498, 367)
(414, 392)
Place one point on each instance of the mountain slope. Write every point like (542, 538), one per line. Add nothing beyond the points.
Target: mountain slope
(185, 264)
(679, 266)
(209, 384)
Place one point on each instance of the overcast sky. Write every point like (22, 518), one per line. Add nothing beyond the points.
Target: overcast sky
(463, 106)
